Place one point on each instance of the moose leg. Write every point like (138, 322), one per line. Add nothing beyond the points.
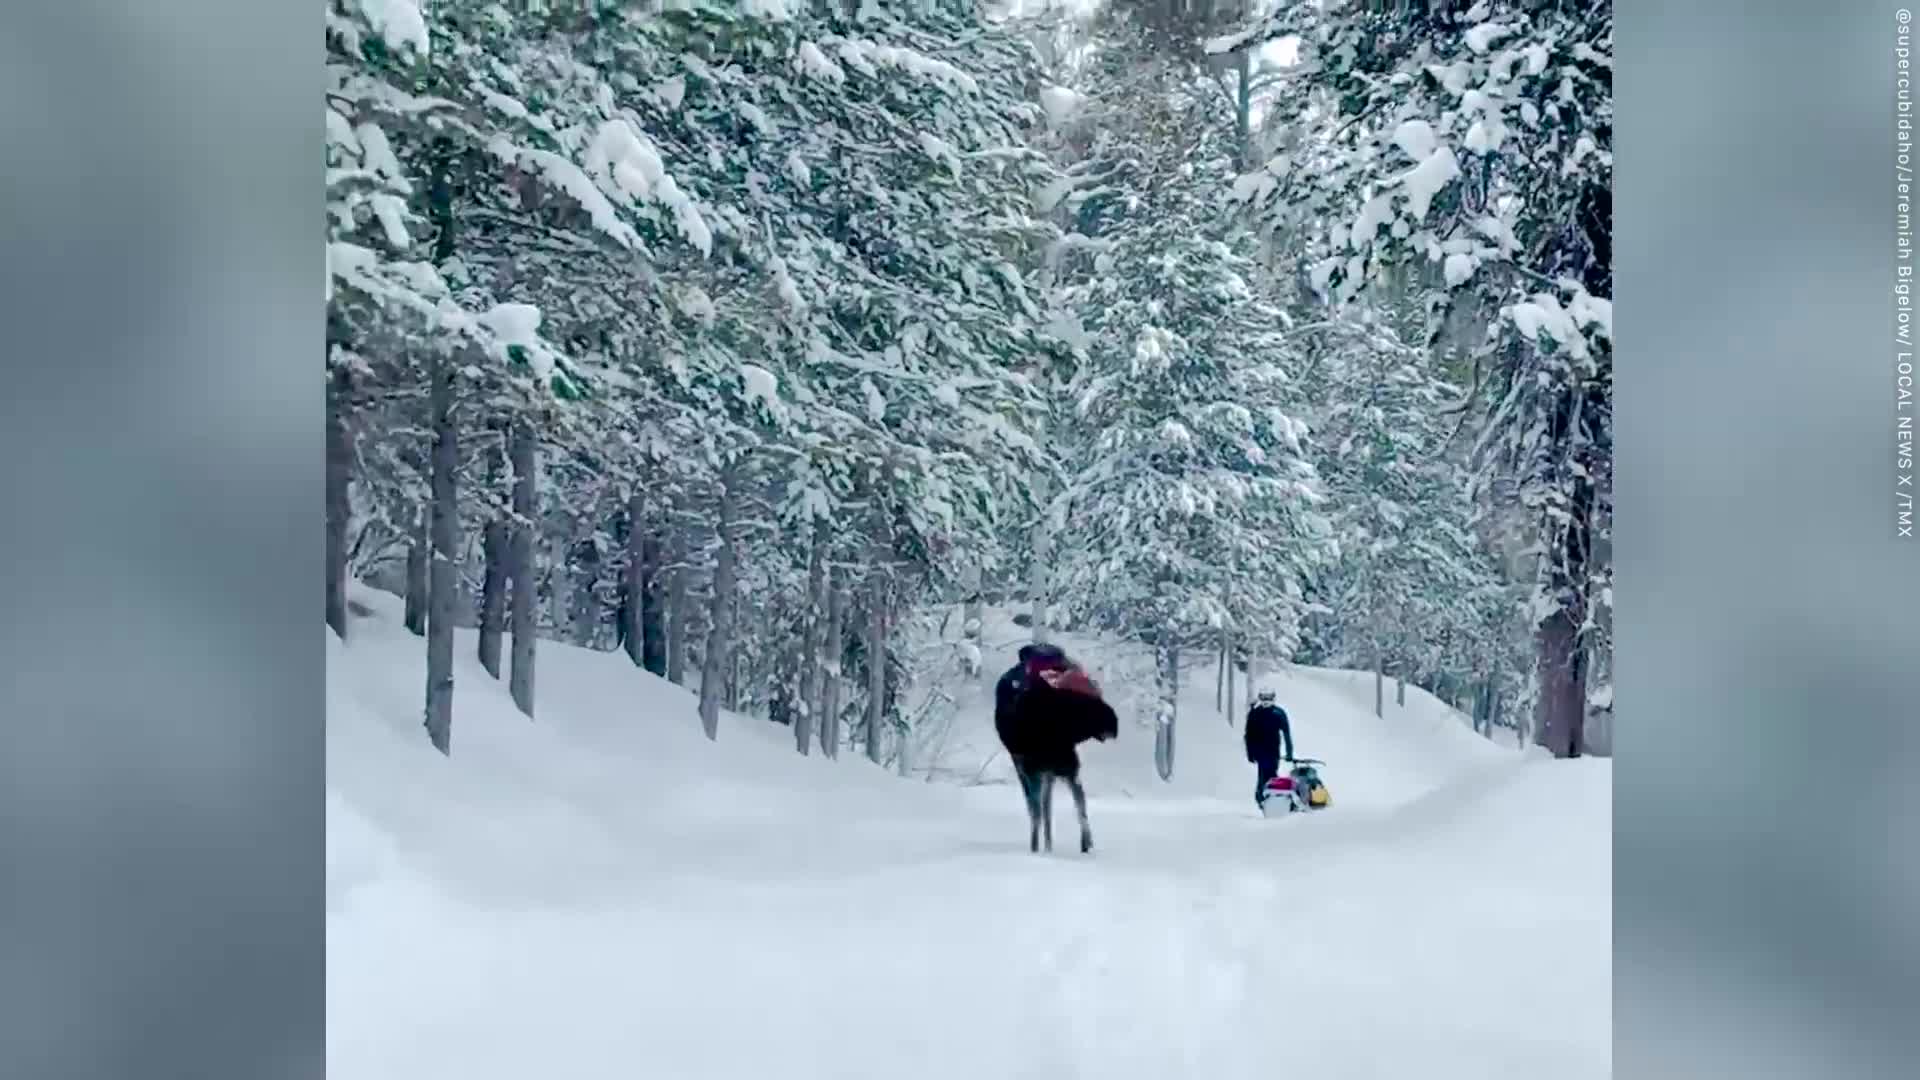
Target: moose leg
(1046, 808)
(1029, 793)
(1080, 808)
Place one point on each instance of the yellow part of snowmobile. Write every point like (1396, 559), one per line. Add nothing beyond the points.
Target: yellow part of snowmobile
(1318, 796)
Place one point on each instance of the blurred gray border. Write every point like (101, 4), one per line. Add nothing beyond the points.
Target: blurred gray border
(161, 820)
(161, 824)
(1765, 809)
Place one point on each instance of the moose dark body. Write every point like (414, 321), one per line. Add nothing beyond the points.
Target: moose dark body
(1044, 708)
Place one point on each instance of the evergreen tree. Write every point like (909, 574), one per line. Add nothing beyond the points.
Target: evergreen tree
(1188, 511)
(1472, 151)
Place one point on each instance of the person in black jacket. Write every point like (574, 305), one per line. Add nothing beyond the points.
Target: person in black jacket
(1267, 731)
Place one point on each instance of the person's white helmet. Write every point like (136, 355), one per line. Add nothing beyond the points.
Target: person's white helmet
(1264, 697)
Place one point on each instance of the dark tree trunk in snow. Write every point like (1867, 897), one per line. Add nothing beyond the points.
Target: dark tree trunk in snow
(653, 597)
(556, 556)
(445, 572)
(586, 593)
(1220, 678)
(1400, 691)
(717, 662)
(1379, 658)
(1379, 676)
(415, 615)
(1227, 651)
(781, 684)
(1166, 655)
(876, 667)
(521, 572)
(493, 579)
(972, 624)
(1561, 714)
(1243, 107)
(812, 630)
(679, 624)
(339, 508)
(493, 595)
(833, 649)
(736, 675)
(633, 583)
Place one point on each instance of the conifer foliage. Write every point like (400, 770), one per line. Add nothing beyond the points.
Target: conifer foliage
(741, 336)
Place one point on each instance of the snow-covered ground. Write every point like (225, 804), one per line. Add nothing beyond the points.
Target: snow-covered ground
(605, 894)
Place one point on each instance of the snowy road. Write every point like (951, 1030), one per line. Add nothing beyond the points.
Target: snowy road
(575, 904)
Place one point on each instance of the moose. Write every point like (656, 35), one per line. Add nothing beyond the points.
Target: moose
(1044, 708)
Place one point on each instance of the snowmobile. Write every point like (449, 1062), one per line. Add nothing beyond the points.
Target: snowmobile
(1299, 788)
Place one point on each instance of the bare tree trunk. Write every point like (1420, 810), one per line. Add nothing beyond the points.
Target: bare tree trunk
(1379, 676)
(812, 620)
(679, 623)
(972, 623)
(1166, 655)
(1037, 569)
(902, 760)
(555, 582)
(876, 664)
(1561, 712)
(1400, 691)
(339, 507)
(1228, 651)
(1220, 677)
(788, 659)
(415, 616)
(522, 574)
(653, 616)
(736, 676)
(633, 582)
(493, 596)
(493, 578)
(445, 571)
(586, 593)
(832, 650)
(716, 663)
(1243, 108)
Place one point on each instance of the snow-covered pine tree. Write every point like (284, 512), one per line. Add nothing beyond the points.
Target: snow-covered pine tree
(1479, 142)
(1189, 503)
(544, 204)
(879, 163)
(402, 327)
(1400, 505)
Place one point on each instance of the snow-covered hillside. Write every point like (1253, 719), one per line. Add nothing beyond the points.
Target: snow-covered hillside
(604, 893)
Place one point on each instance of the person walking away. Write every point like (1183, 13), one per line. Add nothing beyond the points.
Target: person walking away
(1269, 739)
